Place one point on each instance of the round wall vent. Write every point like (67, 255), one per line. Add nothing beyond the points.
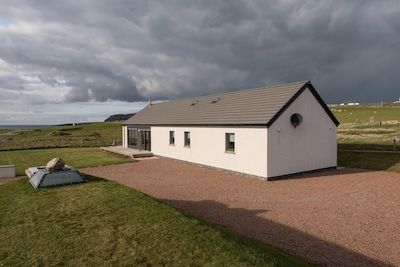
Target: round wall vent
(296, 119)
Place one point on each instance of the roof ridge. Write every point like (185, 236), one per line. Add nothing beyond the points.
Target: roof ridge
(233, 92)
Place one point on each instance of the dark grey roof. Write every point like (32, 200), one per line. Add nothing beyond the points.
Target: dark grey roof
(260, 106)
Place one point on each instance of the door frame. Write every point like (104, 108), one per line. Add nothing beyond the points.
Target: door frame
(139, 138)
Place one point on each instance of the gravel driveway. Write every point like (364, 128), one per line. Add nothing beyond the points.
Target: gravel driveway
(346, 217)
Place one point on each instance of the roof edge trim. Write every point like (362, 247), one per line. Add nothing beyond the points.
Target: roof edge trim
(196, 125)
(323, 104)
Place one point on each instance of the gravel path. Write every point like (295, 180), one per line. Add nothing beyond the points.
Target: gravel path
(346, 217)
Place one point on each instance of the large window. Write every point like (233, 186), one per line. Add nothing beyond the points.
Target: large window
(132, 137)
(230, 142)
(187, 138)
(172, 137)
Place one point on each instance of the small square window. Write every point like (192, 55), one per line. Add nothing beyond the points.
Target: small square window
(187, 138)
(172, 137)
(230, 142)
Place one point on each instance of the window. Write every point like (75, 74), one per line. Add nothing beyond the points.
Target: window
(230, 142)
(172, 137)
(187, 138)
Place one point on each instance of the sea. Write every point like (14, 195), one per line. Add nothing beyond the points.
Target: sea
(23, 127)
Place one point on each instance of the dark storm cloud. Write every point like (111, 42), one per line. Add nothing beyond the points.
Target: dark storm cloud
(130, 50)
(100, 87)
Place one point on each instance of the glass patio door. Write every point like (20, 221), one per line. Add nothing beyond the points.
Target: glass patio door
(133, 138)
(145, 137)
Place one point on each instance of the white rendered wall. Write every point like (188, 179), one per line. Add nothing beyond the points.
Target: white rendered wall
(207, 147)
(310, 146)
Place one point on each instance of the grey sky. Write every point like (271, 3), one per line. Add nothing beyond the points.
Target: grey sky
(64, 61)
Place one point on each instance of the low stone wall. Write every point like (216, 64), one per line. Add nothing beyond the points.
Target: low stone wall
(7, 171)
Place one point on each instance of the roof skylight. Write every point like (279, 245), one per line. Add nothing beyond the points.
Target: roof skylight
(194, 102)
(215, 100)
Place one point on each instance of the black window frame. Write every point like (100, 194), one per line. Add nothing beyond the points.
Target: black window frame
(187, 139)
(229, 145)
(172, 137)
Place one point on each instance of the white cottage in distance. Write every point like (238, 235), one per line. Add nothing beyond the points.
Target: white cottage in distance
(268, 132)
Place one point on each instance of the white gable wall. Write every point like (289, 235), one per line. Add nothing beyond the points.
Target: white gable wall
(310, 146)
(208, 147)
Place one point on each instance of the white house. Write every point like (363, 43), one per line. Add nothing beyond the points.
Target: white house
(268, 132)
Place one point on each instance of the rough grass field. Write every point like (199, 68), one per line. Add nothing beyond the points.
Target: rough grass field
(363, 113)
(368, 127)
(102, 223)
(82, 135)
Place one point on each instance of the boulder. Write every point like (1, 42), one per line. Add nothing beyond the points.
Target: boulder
(55, 165)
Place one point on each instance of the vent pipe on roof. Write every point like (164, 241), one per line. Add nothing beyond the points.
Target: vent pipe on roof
(150, 101)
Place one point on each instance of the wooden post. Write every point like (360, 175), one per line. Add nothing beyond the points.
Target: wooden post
(81, 142)
(394, 144)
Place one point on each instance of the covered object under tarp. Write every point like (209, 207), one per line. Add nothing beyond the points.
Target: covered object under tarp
(40, 178)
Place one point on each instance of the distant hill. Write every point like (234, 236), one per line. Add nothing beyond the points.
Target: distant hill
(119, 117)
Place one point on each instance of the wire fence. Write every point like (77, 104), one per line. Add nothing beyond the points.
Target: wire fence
(58, 143)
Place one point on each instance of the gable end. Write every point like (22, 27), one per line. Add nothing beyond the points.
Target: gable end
(295, 96)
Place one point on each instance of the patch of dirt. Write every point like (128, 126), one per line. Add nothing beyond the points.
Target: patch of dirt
(5, 180)
(345, 217)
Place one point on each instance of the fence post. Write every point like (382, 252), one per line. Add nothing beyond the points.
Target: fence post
(394, 144)
(81, 142)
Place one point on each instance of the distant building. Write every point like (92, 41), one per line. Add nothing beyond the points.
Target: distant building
(349, 104)
(267, 132)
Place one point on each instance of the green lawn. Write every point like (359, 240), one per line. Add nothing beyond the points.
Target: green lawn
(102, 223)
(76, 157)
(379, 161)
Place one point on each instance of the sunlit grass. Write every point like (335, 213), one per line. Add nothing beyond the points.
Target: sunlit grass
(367, 113)
(368, 137)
